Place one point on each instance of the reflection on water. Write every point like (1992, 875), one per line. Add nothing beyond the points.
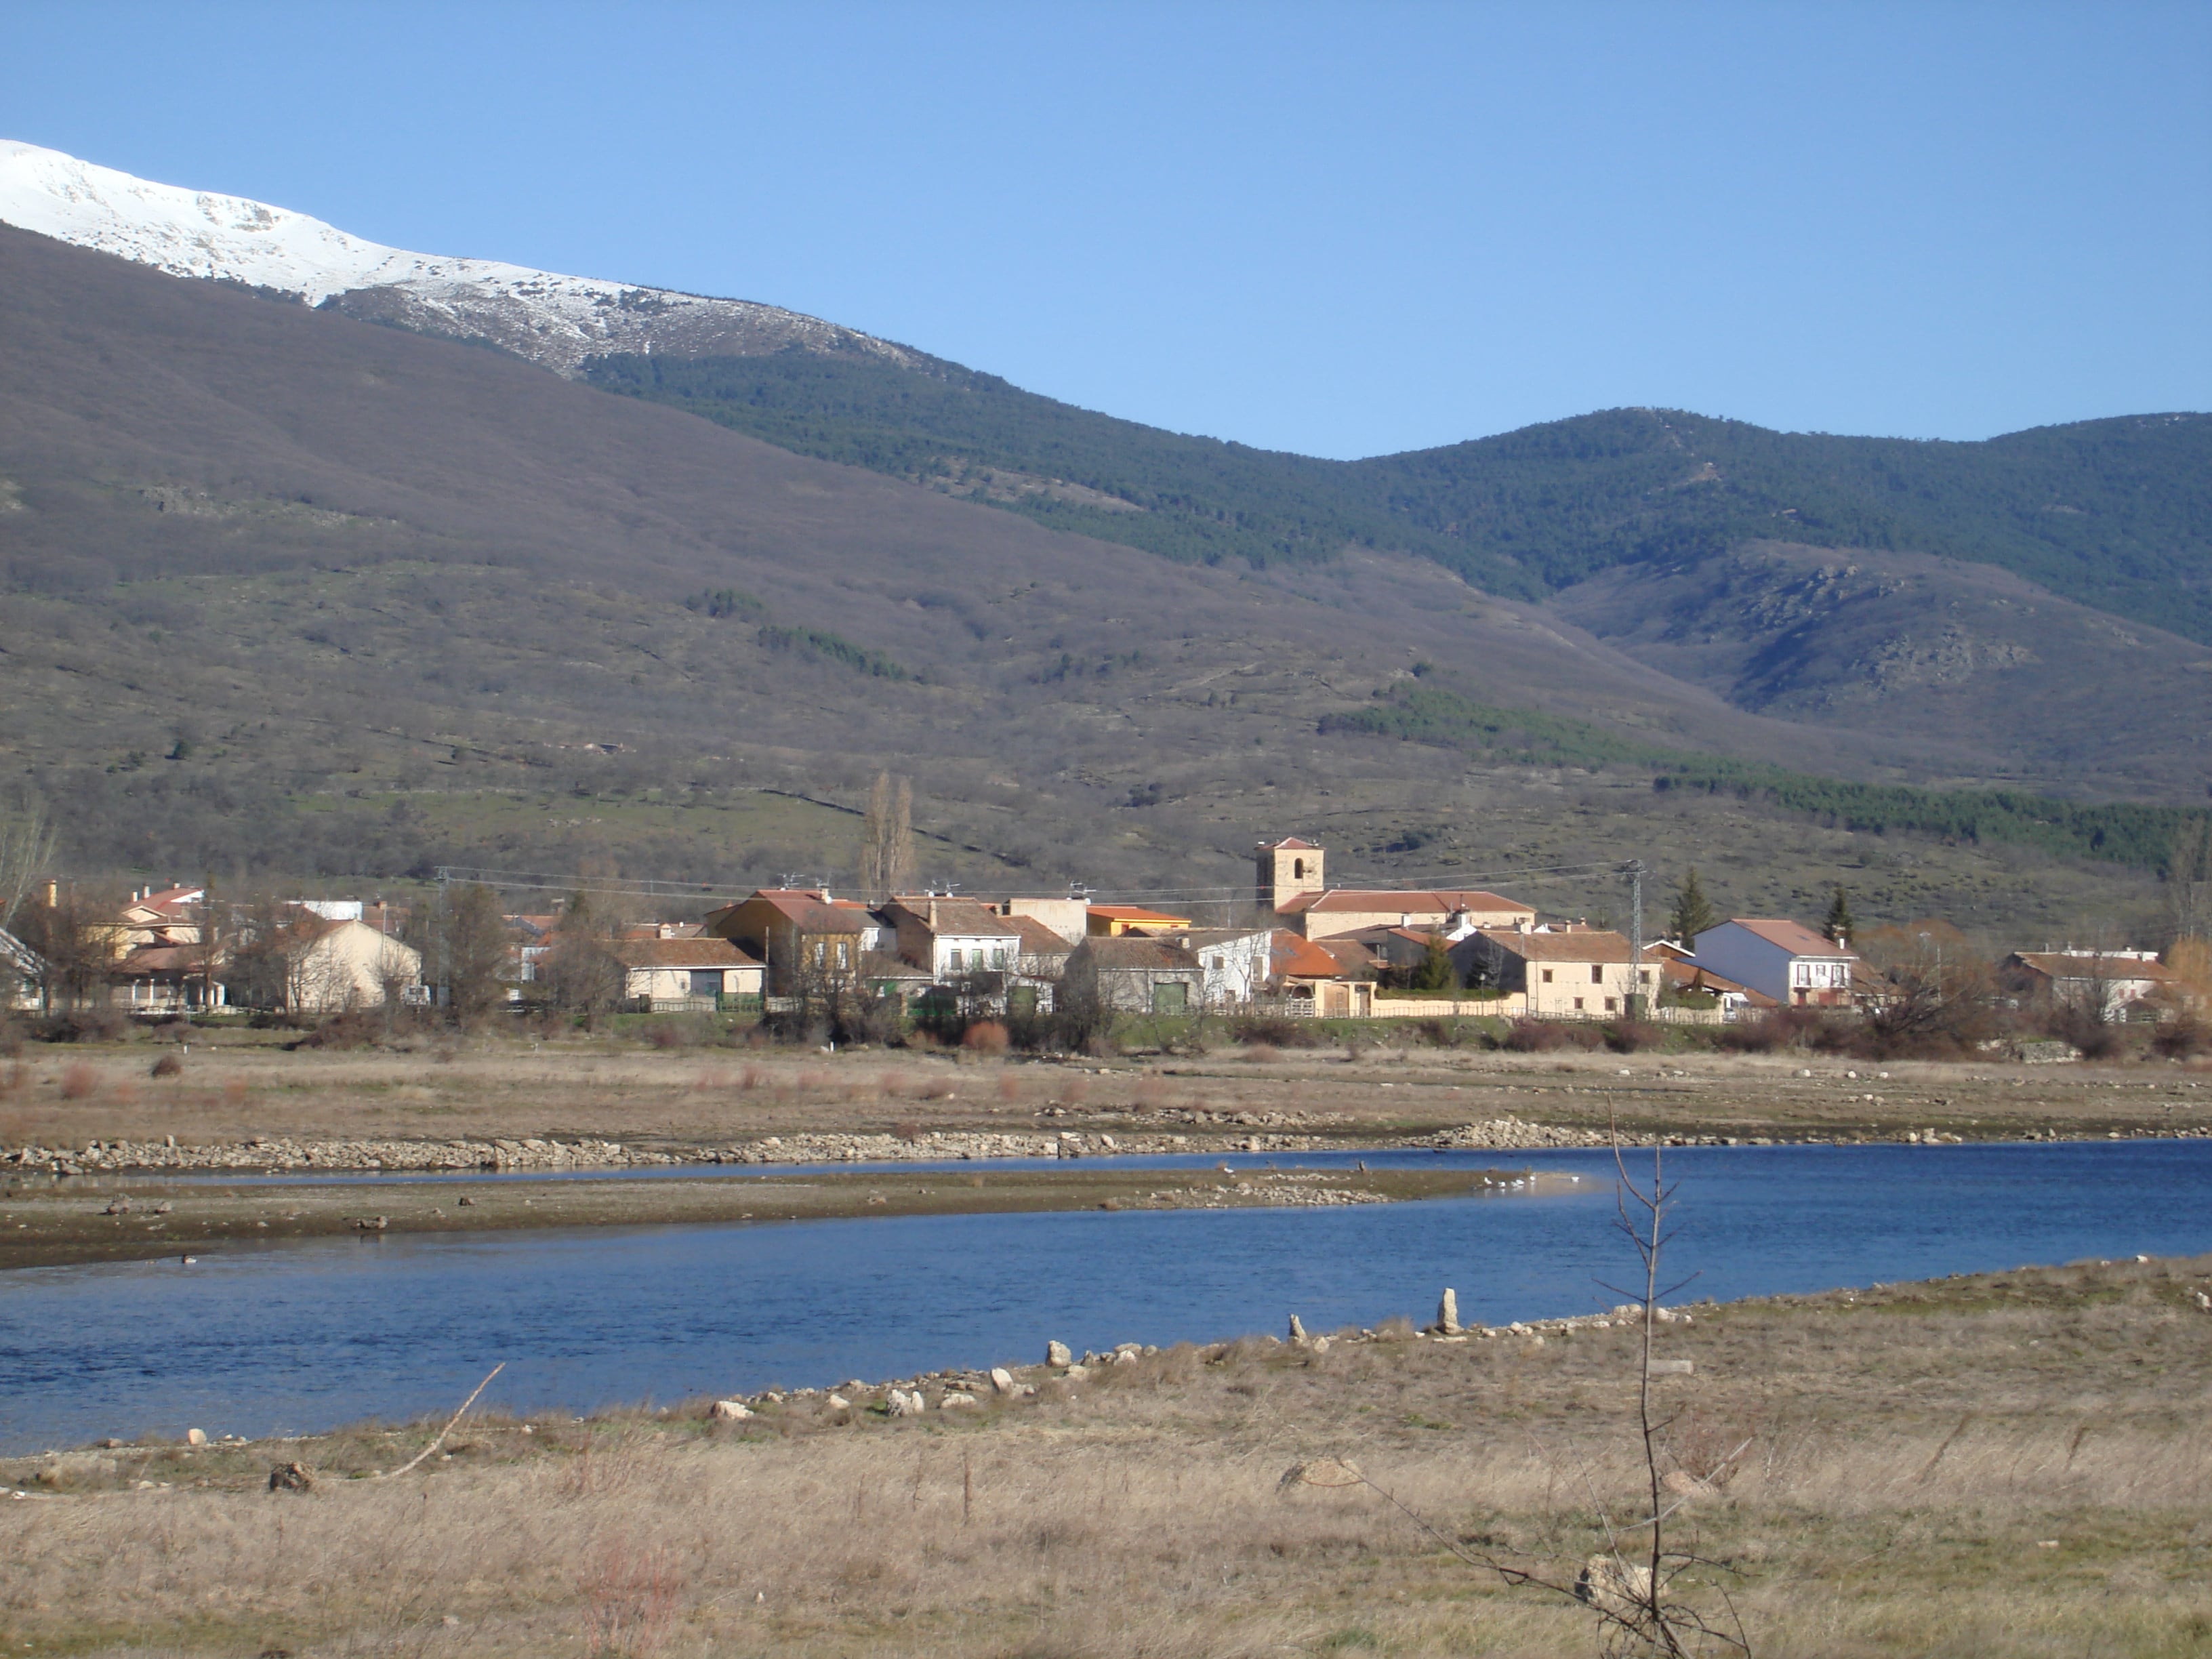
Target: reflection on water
(292, 1337)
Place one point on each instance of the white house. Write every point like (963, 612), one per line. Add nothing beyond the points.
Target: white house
(1238, 962)
(1779, 958)
(952, 937)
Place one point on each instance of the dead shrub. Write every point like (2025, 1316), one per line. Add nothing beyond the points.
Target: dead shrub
(1273, 1032)
(1263, 1054)
(1633, 1037)
(942, 1089)
(985, 1037)
(86, 1025)
(1010, 1087)
(907, 1131)
(630, 1596)
(169, 1065)
(14, 1079)
(234, 1091)
(752, 1077)
(666, 1034)
(2186, 1038)
(1762, 1036)
(78, 1082)
(1536, 1036)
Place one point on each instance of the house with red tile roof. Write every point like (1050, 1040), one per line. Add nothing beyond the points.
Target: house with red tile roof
(1780, 958)
(1565, 973)
(665, 974)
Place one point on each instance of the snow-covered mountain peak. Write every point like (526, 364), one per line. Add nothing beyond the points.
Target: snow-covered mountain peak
(557, 320)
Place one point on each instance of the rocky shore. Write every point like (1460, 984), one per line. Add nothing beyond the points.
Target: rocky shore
(272, 1154)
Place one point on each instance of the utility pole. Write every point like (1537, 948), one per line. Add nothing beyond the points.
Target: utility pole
(1639, 1006)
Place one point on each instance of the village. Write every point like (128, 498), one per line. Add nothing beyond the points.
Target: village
(1063, 970)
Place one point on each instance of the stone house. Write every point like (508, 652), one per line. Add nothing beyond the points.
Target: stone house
(1137, 975)
(1781, 959)
(1572, 973)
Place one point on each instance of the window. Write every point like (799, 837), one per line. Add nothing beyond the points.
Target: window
(1578, 1005)
(1597, 973)
(841, 949)
(1297, 869)
(1611, 1005)
(1547, 976)
(705, 981)
(998, 956)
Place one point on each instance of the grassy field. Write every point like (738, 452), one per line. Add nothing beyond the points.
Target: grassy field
(2010, 1463)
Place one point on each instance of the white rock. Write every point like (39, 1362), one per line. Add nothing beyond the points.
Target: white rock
(1060, 1354)
(1448, 1312)
(196, 1437)
(1076, 1373)
(957, 1399)
(730, 1410)
(839, 1401)
(1002, 1380)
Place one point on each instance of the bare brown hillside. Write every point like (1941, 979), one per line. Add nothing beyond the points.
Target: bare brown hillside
(286, 588)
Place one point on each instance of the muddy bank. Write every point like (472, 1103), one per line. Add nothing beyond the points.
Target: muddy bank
(50, 1222)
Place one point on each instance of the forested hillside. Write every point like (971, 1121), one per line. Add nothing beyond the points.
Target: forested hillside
(2115, 513)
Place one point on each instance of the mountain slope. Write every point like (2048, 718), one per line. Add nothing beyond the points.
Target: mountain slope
(328, 561)
(2116, 515)
(556, 320)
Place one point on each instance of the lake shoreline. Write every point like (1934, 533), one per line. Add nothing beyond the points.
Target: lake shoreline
(68, 1222)
(2043, 1423)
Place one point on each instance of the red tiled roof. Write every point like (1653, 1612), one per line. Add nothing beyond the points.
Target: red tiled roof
(1582, 944)
(1417, 901)
(1037, 939)
(1794, 937)
(1130, 950)
(1292, 956)
(2061, 964)
(679, 953)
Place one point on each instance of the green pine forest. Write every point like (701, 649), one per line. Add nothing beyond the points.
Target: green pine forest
(2102, 512)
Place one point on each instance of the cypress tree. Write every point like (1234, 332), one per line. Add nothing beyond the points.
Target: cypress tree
(1693, 913)
(1839, 927)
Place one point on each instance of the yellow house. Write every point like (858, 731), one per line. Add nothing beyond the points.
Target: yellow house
(1112, 920)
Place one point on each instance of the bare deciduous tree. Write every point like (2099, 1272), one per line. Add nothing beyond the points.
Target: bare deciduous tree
(26, 855)
(887, 836)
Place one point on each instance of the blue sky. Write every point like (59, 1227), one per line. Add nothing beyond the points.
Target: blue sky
(1339, 229)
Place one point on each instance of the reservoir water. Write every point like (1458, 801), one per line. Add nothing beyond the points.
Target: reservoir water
(290, 1338)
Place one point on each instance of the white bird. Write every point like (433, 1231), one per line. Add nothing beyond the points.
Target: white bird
(187, 1260)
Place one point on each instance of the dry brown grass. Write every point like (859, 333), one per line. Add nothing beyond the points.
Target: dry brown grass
(237, 1085)
(2013, 1464)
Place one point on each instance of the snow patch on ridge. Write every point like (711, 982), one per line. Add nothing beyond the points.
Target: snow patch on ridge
(556, 320)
